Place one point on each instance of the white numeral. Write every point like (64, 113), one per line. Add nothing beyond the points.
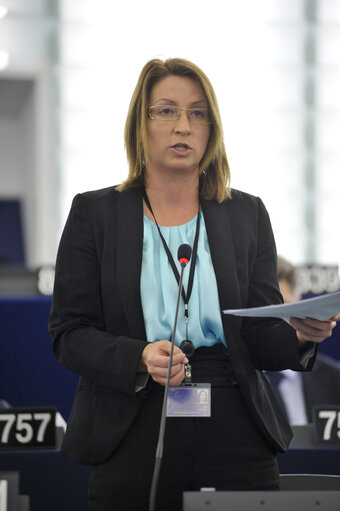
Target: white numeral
(10, 418)
(23, 425)
(45, 419)
(330, 415)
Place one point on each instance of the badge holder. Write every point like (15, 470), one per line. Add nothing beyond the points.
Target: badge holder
(189, 399)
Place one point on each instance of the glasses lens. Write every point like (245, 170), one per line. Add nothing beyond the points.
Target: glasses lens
(200, 115)
(164, 113)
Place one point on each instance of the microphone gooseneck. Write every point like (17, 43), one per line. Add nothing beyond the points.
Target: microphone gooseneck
(183, 255)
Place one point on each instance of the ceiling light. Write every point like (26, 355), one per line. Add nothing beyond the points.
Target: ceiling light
(3, 11)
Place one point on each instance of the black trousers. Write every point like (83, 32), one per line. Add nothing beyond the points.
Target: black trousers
(225, 451)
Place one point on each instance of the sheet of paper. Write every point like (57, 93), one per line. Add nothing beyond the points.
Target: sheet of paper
(320, 307)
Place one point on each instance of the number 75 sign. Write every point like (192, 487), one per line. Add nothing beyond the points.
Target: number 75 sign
(327, 425)
(27, 428)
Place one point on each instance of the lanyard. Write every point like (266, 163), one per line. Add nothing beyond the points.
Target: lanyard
(185, 295)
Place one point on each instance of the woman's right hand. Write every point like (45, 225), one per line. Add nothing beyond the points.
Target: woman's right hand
(155, 360)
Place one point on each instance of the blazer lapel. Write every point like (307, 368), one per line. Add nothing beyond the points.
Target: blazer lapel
(217, 221)
(129, 258)
(220, 235)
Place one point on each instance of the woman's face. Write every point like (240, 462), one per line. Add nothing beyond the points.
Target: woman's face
(202, 396)
(177, 145)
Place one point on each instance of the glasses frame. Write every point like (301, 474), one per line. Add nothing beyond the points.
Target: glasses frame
(178, 109)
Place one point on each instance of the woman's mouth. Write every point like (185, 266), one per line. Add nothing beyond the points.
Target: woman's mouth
(181, 148)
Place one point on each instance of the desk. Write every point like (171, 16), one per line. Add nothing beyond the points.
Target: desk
(52, 482)
(57, 484)
(318, 460)
(29, 374)
(305, 457)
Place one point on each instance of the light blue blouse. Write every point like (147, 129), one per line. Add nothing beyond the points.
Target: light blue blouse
(159, 288)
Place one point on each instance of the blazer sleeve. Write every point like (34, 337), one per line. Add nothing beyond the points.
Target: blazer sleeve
(77, 324)
(272, 343)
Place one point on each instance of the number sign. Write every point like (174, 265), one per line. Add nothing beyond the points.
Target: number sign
(27, 428)
(327, 425)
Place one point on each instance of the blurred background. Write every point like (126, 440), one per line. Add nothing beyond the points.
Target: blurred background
(67, 72)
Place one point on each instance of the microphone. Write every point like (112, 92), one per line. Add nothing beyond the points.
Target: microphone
(183, 255)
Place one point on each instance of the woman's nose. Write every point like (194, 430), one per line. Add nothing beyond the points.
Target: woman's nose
(183, 124)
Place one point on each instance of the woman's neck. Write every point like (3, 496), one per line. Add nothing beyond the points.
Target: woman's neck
(174, 202)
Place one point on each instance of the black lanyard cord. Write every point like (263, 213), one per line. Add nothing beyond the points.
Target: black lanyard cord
(185, 295)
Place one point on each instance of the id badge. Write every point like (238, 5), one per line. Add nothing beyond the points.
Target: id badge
(189, 400)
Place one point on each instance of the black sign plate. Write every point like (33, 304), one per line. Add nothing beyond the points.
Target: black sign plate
(27, 428)
(327, 425)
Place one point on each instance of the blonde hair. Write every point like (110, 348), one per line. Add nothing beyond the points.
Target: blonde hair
(213, 169)
(287, 271)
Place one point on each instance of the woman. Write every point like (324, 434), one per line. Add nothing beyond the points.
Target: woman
(114, 302)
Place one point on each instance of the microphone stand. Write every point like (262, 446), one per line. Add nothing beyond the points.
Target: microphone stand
(159, 449)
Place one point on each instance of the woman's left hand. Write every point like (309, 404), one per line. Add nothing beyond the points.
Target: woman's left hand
(310, 329)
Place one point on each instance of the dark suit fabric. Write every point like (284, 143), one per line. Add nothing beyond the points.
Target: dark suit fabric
(97, 322)
(322, 385)
(197, 451)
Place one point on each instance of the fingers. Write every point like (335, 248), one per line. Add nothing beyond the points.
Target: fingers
(176, 378)
(156, 357)
(310, 329)
(160, 374)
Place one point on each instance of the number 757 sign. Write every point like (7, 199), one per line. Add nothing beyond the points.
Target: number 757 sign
(27, 428)
(327, 425)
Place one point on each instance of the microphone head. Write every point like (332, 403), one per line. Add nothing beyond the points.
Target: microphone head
(184, 254)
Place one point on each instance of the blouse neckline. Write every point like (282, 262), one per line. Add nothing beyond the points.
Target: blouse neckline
(193, 219)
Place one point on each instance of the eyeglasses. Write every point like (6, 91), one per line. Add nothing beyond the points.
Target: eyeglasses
(173, 113)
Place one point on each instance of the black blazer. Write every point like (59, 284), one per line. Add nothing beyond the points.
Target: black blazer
(97, 324)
